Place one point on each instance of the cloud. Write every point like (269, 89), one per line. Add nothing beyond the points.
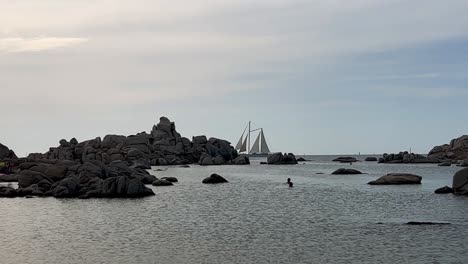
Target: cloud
(16, 44)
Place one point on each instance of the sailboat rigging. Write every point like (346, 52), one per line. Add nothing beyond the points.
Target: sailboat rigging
(260, 146)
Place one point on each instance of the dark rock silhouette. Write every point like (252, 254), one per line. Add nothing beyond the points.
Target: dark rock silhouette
(162, 182)
(445, 164)
(371, 159)
(6, 153)
(444, 189)
(279, 158)
(397, 179)
(170, 179)
(345, 159)
(343, 171)
(214, 178)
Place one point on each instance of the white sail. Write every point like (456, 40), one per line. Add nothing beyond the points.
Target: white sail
(239, 143)
(256, 146)
(264, 148)
(244, 145)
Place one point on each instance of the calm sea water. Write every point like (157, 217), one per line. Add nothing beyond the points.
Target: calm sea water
(255, 218)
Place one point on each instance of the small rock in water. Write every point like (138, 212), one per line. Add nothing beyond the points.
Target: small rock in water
(346, 159)
(344, 171)
(444, 189)
(214, 178)
(170, 179)
(426, 223)
(371, 159)
(397, 179)
(162, 183)
(445, 164)
(184, 166)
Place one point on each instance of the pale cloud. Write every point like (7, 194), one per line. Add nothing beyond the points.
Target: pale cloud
(16, 44)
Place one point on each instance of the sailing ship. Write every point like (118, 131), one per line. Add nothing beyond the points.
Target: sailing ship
(260, 147)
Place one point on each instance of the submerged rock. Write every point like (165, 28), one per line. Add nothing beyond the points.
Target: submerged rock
(214, 178)
(426, 223)
(397, 179)
(344, 171)
(162, 182)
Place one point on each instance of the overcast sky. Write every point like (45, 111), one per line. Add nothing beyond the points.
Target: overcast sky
(320, 77)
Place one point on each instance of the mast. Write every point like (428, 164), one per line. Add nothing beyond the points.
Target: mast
(248, 148)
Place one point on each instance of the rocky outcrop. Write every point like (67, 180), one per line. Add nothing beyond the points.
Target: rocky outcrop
(397, 179)
(460, 182)
(457, 149)
(214, 178)
(279, 158)
(344, 171)
(345, 159)
(371, 159)
(170, 179)
(6, 153)
(463, 163)
(444, 189)
(7, 191)
(92, 178)
(406, 157)
(162, 182)
(163, 145)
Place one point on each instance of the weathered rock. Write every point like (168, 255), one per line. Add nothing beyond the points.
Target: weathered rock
(397, 179)
(279, 159)
(68, 187)
(406, 157)
(162, 182)
(214, 178)
(456, 150)
(444, 189)
(460, 182)
(170, 179)
(27, 178)
(241, 160)
(124, 186)
(56, 173)
(205, 159)
(371, 159)
(345, 159)
(147, 179)
(343, 171)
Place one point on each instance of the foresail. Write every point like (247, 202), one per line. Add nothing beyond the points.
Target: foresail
(265, 148)
(256, 146)
(244, 145)
(239, 143)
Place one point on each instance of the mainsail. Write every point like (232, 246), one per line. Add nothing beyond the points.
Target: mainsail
(256, 146)
(239, 143)
(265, 148)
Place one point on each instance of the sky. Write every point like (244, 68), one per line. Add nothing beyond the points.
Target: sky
(319, 76)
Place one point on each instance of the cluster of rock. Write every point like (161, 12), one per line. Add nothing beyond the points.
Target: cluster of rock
(162, 146)
(456, 150)
(406, 157)
(279, 158)
(6, 153)
(70, 179)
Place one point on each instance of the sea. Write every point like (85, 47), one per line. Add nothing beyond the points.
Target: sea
(255, 218)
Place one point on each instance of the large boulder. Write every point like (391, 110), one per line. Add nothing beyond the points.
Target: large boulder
(463, 163)
(214, 178)
(162, 182)
(8, 177)
(26, 178)
(124, 186)
(397, 179)
(56, 172)
(241, 160)
(279, 158)
(457, 149)
(6, 191)
(460, 182)
(343, 171)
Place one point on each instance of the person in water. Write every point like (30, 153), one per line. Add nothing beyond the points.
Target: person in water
(290, 184)
(288, 181)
